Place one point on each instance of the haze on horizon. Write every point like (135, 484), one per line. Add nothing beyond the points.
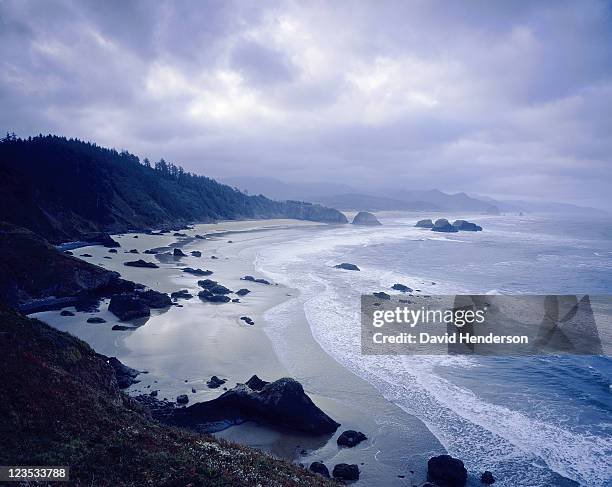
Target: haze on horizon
(507, 99)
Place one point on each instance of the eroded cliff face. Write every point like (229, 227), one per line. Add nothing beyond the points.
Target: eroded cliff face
(34, 272)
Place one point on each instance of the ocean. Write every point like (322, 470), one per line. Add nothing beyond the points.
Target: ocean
(536, 421)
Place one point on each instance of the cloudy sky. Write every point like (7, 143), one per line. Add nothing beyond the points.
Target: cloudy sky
(505, 98)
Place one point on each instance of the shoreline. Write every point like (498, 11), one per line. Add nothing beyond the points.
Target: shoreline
(241, 350)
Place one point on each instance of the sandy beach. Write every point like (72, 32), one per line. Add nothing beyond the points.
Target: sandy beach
(181, 348)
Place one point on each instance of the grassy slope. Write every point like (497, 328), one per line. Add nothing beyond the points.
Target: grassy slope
(60, 405)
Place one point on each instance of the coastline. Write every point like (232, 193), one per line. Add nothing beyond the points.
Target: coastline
(181, 348)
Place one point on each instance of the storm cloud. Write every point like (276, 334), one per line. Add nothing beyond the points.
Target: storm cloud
(510, 99)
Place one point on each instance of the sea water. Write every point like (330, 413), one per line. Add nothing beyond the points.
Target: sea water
(531, 420)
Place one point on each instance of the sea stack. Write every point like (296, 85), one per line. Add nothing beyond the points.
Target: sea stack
(442, 225)
(424, 224)
(365, 218)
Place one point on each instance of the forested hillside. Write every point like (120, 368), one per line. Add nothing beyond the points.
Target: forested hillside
(62, 188)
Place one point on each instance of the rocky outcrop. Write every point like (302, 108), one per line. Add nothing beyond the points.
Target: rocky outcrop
(196, 253)
(365, 218)
(197, 272)
(442, 225)
(446, 471)
(401, 287)
(424, 224)
(351, 438)
(242, 292)
(66, 313)
(126, 376)
(96, 319)
(206, 295)
(128, 307)
(141, 263)
(320, 468)
(282, 403)
(215, 382)
(247, 320)
(344, 471)
(382, 295)
(100, 238)
(347, 267)
(258, 280)
(256, 383)
(37, 276)
(487, 478)
(182, 399)
(178, 253)
(181, 294)
(465, 226)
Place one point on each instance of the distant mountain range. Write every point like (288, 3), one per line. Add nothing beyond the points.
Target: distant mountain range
(62, 189)
(344, 197)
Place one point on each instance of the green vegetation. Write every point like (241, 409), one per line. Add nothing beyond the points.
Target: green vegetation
(62, 188)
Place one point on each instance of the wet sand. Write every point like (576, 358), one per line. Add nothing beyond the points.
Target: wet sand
(181, 348)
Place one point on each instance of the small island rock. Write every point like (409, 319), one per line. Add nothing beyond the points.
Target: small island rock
(365, 218)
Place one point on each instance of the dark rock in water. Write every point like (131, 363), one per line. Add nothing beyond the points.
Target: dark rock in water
(85, 255)
(96, 319)
(247, 320)
(193, 391)
(230, 241)
(424, 224)
(442, 225)
(122, 328)
(347, 267)
(178, 253)
(151, 251)
(382, 295)
(134, 251)
(112, 251)
(215, 382)
(155, 299)
(65, 312)
(182, 399)
(125, 375)
(207, 283)
(128, 306)
(242, 292)
(466, 226)
(206, 295)
(256, 383)
(487, 478)
(200, 237)
(196, 253)
(141, 263)
(182, 294)
(214, 257)
(446, 471)
(351, 438)
(365, 218)
(282, 403)
(178, 234)
(344, 471)
(135, 236)
(67, 252)
(252, 279)
(153, 393)
(235, 300)
(320, 468)
(219, 289)
(197, 272)
(402, 288)
(107, 257)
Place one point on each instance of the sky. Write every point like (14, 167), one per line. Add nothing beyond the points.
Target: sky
(510, 99)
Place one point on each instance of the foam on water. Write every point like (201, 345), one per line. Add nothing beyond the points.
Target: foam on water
(523, 450)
